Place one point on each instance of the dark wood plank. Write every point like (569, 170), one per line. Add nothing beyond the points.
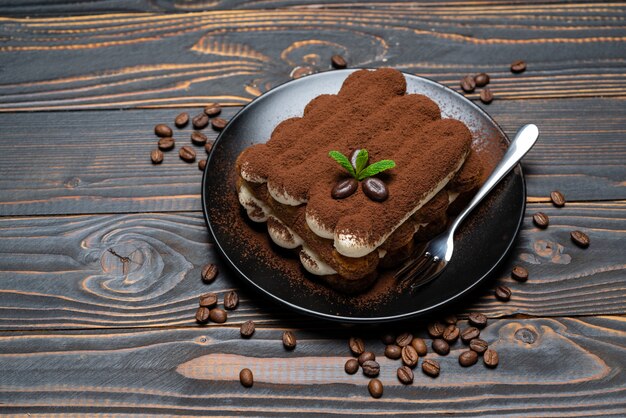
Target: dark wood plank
(148, 60)
(87, 162)
(548, 367)
(57, 273)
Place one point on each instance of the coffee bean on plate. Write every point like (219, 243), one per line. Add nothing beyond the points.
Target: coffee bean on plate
(209, 273)
(477, 319)
(431, 367)
(231, 300)
(219, 316)
(405, 375)
(450, 319)
(212, 109)
(289, 340)
(356, 345)
(486, 96)
(366, 356)
(393, 352)
(166, 144)
(503, 293)
(557, 198)
(202, 315)
(198, 138)
(371, 368)
(519, 273)
(375, 388)
(420, 346)
(518, 66)
(375, 189)
(181, 120)
(351, 366)
(435, 329)
(409, 356)
(478, 345)
(187, 154)
(580, 238)
(162, 130)
(156, 156)
(200, 121)
(440, 347)
(344, 188)
(218, 123)
(490, 358)
(246, 378)
(202, 164)
(338, 61)
(451, 334)
(481, 79)
(388, 339)
(468, 358)
(247, 329)
(468, 84)
(208, 300)
(469, 333)
(541, 220)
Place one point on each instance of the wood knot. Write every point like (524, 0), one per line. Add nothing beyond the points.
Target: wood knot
(121, 259)
(526, 335)
(72, 183)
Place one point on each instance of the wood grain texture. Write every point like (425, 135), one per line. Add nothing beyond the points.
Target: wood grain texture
(165, 60)
(57, 272)
(562, 367)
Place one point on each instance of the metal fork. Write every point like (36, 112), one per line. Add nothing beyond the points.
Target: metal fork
(437, 254)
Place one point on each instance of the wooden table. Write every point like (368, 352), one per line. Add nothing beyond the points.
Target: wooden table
(83, 83)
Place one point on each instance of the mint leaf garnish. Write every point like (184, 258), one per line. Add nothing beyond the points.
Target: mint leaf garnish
(343, 161)
(377, 167)
(361, 171)
(361, 160)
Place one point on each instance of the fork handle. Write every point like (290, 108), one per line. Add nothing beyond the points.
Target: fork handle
(522, 143)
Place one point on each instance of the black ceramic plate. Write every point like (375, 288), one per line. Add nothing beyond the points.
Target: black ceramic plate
(481, 244)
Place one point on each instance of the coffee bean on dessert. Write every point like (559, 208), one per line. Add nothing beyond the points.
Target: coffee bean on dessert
(356, 345)
(202, 164)
(404, 339)
(203, 314)
(212, 109)
(481, 79)
(375, 189)
(409, 356)
(209, 273)
(580, 238)
(353, 156)
(468, 84)
(166, 144)
(557, 198)
(371, 368)
(208, 300)
(375, 388)
(162, 130)
(478, 345)
(344, 188)
(393, 352)
(451, 334)
(518, 66)
(338, 62)
(541, 220)
(486, 96)
(435, 329)
(519, 273)
(477, 319)
(156, 156)
(187, 154)
(246, 378)
(200, 121)
(430, 367)
(503, 293)
(208, 147)
(289, 340)
(388, 339)
(231, 300)
(247, 329)
(450, 319)
(198, 138)
(366, 356)
(468, 358)
(351, 366)
(469, 333)
(218, 124)
(181, 120)
(219, 316)
(490, 358)
(420, 346)
(440, 347)
(405, 375)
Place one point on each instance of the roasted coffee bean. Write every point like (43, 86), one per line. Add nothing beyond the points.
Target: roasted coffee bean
(208, 300)
(557, 198)
(440, 347)
(451, 334)
(430, 367)
(478, 345)
(218, 123)
(202, 315)
(351, 366)
(468, 358)
(187, 154)
(469, 333)
(208, 147)
(356, 345)
(289, 340)
(212, 109)
(519, 273)
(393, 352)
(231, 300)
(490, 358)
(486, 96)
(404, 339)
(301, 71)
(344, 188)
(338, 62)
(420, 346)
(468, 84)
(366, 356)
(246, 378)
(388, 339)
(200, 121)
(202, 165)
(371, 368)
(247, 329)
(353, 156)
(219, 316)
(375, 189)
(541, 220)
(375, 388)
(166, 144)
(518, 66)
(181, 120)
(162, 130)
(481, 79)
(198, 138)
(503, 293)
(405, 375)
(450, 319)
(156, 156)
(580, 238)
(477, 319)
(209, 273)
(435, 329)
(409, 356)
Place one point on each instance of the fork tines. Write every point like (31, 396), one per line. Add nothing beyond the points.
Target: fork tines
(416, 268)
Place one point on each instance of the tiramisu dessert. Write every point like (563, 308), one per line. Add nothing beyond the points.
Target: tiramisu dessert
(360, 178)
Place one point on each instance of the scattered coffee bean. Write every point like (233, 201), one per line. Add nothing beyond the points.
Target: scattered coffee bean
(356, 345)
(469, 333)
(187, 154)
(202, 315)
(289, 340)
(202, 165)
(246, 378)
(405, 375)
(486, 96)
(519, 273)
(409, 356)
(541, 220)
(351, 366)
(478, 345)
(162, 130)
(468, 358)
(503, 293)
(450, 320)
(209, 273)
(430, 367)
(212, 109)
(518, 66)
(247, 329)
(208, 147)
(366, 356)
(580, 238)
(468, 84)
(451, 334)
(404, 339)
(353, 156)
(208, 300)
(371, 368)
(375, 387)
(218, 124)
(481, 79)
(181, 120)
(219, 316)
(166, 144)
(198, 138)
(338, 62)
(477, 319)
(200, 121)
(345, 188)
(420, 346)
(393, 352)
(557, 198)
(156, 156)
(490, 358)
(388, 339)
(435, 329)
(375, 189)
(231, 300)
(300, 72)
(440, 347)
